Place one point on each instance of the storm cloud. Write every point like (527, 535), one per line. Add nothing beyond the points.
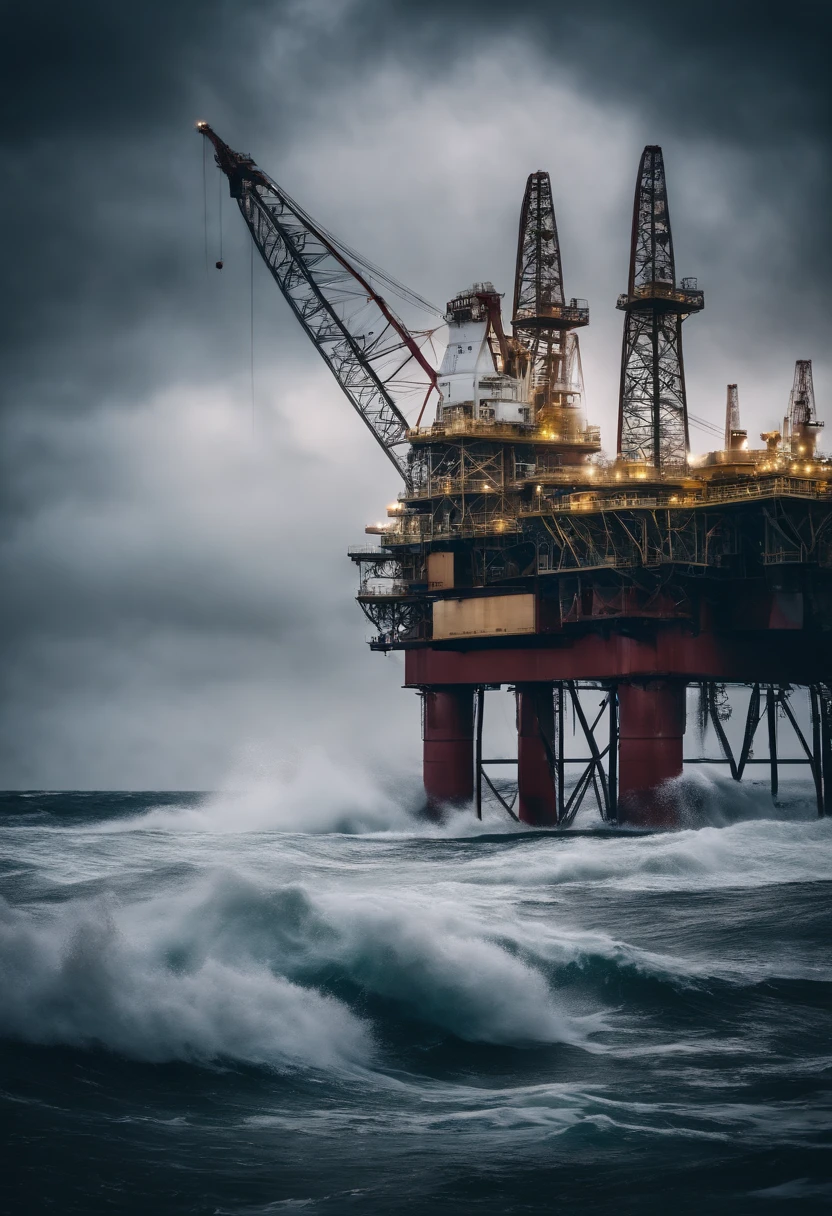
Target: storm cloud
(172, 547)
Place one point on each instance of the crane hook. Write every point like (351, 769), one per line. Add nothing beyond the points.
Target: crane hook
(218, 265)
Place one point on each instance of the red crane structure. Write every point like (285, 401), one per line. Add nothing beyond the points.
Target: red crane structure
(517, 555)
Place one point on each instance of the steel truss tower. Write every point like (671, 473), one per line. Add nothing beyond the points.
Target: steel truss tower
(652, 411)
(542, 320)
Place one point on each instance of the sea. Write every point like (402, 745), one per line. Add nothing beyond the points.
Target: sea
(311, 999)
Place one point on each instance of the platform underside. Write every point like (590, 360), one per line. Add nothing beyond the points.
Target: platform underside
(660, 650)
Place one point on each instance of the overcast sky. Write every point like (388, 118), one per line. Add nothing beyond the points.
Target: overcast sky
(177, 603)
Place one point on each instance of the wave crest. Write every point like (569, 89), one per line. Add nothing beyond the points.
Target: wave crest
(75, 979)
(224, 968)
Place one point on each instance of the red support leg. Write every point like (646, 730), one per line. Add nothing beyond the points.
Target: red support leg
(651, 734)
(448, 757)
(537, 799)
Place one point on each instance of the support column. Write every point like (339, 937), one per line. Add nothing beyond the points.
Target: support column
(536, 799)
(826, 746)
(651, 733)
(448, 734)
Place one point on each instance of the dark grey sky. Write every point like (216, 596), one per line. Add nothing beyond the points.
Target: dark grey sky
(176, 601)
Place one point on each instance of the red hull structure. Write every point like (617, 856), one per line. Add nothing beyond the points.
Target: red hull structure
(448, 736)
(646, 679)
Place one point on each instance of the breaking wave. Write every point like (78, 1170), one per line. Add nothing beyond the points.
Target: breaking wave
(308, 793)
(76, 979)
(749, 854)
(227, 970)
(334, 971)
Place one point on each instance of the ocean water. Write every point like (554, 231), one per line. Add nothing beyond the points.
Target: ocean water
(305, 998)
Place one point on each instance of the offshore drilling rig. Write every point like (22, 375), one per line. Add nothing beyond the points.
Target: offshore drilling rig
(517, 555)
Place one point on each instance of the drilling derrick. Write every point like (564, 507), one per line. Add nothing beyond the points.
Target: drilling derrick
(514, 559)
(652, 411)
(804, 426)
(542, 320)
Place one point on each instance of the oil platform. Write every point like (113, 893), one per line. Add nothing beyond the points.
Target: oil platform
(518, 555)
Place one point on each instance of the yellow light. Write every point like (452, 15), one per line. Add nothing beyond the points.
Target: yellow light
(674, 498)
(200, 126)
(807, 468)
(539, 489)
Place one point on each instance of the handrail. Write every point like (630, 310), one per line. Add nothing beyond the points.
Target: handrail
(590, 436)
(370, 551)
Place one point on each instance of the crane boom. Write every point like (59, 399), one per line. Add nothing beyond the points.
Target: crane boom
(375, 359)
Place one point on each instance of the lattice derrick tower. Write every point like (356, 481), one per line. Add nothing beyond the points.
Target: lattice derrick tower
(542, 320)
(652, 412)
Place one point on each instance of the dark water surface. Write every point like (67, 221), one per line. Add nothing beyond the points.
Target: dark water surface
(204, 1009)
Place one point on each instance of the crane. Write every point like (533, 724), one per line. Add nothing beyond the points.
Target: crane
(334, 293)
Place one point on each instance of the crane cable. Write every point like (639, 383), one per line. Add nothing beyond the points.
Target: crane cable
(703, 425)
(219, 183)
(205, 199)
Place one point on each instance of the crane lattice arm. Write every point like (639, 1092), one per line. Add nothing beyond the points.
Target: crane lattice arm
(375, 359)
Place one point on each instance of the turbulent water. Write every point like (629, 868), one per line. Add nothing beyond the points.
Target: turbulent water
(306, 999)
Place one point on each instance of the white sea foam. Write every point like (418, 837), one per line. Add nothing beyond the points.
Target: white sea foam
(428, 956)
(73, 977)
(747, 854)
(223, 967)
(264, 950)
(309, 792)
(315, 793)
